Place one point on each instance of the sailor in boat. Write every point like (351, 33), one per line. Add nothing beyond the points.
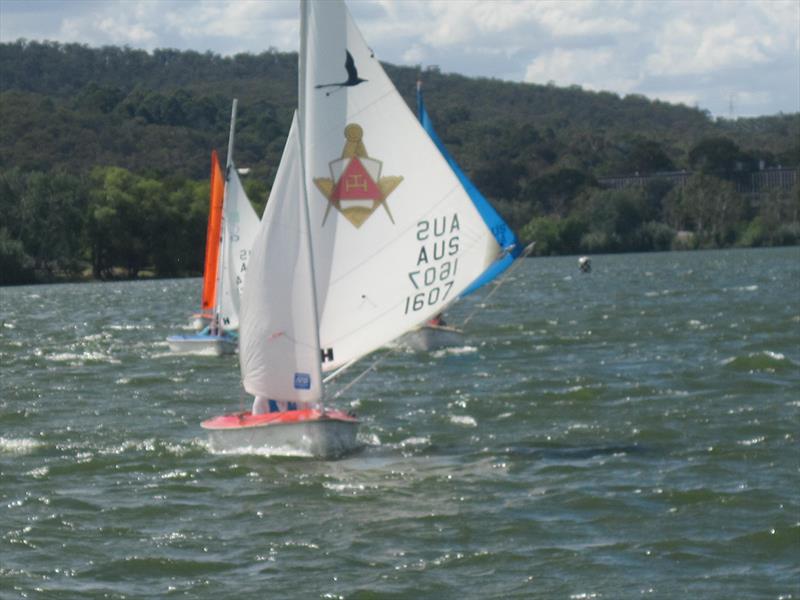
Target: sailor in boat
(213, 327)
(437, 321)
(263, 405)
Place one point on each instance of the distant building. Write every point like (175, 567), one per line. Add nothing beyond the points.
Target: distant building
(756, 182)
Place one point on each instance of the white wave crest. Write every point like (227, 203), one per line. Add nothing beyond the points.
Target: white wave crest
(752, 442)
(84, 357)
(415, 441)
(368, 439)
(351, 488)
(39, 472)
(176, 474)
(456, 351)
(266, 451)
(18, 446)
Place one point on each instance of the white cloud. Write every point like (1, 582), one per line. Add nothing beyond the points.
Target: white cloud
(131, 33)
(566, 67)
(749, 98)
(226, 26)
(416, 54)
(571, 19)
(244, 24)
(692, 50)
(473, 21)
(589, 68)
(689, 48)
(686, 97)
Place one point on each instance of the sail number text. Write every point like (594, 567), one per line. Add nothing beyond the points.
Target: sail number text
(437, 262)
(243, 254)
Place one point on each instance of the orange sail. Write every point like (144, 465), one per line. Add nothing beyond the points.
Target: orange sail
(213, 235)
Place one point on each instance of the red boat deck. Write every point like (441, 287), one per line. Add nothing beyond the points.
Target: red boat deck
(246, 419)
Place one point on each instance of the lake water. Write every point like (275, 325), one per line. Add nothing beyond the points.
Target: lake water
(628, 433)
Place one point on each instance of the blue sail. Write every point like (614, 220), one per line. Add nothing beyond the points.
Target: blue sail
(505, 237)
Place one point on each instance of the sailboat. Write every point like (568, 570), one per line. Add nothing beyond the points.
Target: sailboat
(435, 333)
(279, 353)
(213, 235)
(367, 234)
(232, 225)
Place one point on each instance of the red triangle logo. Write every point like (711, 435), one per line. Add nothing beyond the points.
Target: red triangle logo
(355, 184)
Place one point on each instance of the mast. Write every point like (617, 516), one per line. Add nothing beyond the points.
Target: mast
(221, 259)
(229, 162)
(301, 115)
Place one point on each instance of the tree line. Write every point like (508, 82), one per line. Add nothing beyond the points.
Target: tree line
(104, 158)
(109, 223)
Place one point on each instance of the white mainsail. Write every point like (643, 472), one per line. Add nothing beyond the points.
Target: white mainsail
(279, 340)
(395, 236)
(239, 227)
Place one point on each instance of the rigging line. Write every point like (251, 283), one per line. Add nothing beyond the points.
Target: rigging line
(339, 371)
(528, 249)
(361, 375)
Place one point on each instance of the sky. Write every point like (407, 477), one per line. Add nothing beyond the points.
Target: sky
(734, 58)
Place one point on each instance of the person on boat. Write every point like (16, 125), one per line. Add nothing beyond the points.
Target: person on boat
(260, 405)
(263, 405)
(213, 327)
(437, 321)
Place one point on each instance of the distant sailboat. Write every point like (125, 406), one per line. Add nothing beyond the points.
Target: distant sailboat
(369, 233)
(209, 295)
(232, 225)
(435, 334)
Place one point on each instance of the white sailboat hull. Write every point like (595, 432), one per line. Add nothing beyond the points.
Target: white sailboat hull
(206, 345)
(302, 432)
(433, 337)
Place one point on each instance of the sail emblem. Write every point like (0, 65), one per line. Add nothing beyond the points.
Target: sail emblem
(352, 76)
(356, 188)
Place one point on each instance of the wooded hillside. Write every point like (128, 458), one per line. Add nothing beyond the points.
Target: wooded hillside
(101, 140)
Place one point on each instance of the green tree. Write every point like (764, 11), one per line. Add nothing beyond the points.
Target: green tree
(98, 97)
(12, 186)
(613, 219)
(707, 205)
(778, 219)
(554, 235)
(122, 223)
(716, 155)
(183, 219)
(51, 220)
(555, 192)
(15, 265)
(648, 156)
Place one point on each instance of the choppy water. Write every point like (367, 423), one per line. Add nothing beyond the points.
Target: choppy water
(628, 433)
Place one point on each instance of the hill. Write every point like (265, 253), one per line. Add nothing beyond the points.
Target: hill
(536, 151)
